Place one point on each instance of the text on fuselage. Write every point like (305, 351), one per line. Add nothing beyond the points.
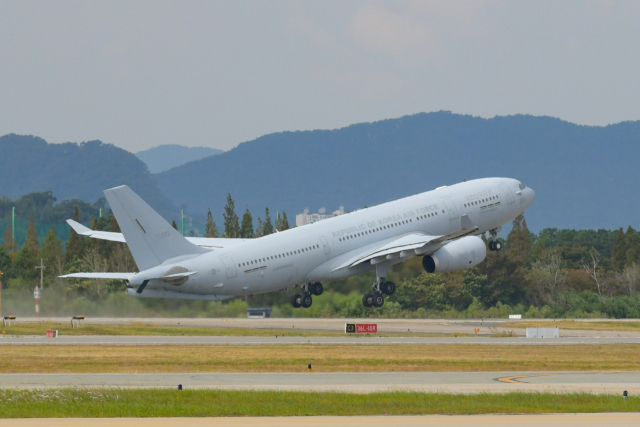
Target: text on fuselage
(385, 220)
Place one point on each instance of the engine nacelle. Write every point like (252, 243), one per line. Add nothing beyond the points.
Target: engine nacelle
(457, 255)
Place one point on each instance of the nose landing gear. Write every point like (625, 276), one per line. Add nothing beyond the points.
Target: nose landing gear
(494, 244)
(305, 300)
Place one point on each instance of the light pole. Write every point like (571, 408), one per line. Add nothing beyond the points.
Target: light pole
(36, 292)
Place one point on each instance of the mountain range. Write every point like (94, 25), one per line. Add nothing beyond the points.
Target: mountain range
(164, 157)
(74, 171)
(584, 176)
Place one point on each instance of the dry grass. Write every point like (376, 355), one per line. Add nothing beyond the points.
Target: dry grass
(324, 358)
(145, 329)
(577, 325)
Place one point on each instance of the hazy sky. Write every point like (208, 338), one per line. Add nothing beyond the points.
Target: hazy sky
(142, 73)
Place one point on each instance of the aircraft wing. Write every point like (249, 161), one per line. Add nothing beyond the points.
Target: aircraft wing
(205, 242)
(410, 244)
(123, 276)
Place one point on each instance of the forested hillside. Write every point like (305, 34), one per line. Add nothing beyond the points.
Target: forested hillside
(73, 171)
(584, 176)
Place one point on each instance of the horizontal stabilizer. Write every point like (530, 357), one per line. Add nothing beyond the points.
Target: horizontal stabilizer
(95, 234)
(123, 276)
(204, 242)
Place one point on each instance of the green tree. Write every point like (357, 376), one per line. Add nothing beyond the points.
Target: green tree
(6, 267)
(32, 238)
(633, 246)
(51, 253)
(267, 226)
(285, 221)
(246, 231)
(25, 263)
(75, 244)
(97, 244)
(619, 251)
(174, 225)
(231, 220)
(519, 241)
(258, 232)
(426, 291)
(9, 243)
(211, 229)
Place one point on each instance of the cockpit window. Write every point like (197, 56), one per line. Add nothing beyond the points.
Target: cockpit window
(522, 187)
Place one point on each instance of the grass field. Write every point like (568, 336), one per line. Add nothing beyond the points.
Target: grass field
(324, 358)
(221, 403)
(577, 325)
(144, 329)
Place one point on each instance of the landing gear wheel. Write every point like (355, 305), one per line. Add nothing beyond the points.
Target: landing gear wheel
(492, 245)
(367, 300)
(497, 246)
(317, 289)
(378, 301)
(296, 300)
(307, 301)
(388, 288)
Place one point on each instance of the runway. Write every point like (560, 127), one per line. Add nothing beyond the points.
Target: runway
(419, 326)
(550, 420)
(285, 340)
(450, 382)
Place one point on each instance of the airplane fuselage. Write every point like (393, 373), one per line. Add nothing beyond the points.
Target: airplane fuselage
(323, 250)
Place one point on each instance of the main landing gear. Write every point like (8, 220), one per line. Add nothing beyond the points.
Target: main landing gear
(305, 299)
(380, 288)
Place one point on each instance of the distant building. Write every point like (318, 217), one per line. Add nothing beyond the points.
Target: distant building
(306, 218)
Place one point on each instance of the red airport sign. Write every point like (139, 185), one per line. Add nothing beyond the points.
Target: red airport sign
(360, 328)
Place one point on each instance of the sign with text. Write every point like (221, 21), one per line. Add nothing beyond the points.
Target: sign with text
(360, 328)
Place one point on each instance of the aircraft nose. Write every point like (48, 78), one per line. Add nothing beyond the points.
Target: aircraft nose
(531, 196)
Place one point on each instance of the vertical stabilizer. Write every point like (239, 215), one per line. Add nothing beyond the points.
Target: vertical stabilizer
(151, 239)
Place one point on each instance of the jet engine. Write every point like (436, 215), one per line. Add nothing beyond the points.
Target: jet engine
(457, 255)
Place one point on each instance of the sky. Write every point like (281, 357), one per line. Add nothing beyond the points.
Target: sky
(138, 74)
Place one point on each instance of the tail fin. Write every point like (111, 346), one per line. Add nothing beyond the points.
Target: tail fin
(151, 239)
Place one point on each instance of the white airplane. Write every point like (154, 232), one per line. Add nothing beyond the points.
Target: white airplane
(442, 226)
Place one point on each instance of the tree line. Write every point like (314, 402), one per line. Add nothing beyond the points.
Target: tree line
(235, 228)
(556, 272)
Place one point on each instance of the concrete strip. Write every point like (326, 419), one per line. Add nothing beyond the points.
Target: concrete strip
(450, 382)
(284, 340)
(550, 420)
(423, 326)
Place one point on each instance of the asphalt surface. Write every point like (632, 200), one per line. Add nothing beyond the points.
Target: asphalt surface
(280, 340)
(422, 326)
(453, 382)
(551, 420)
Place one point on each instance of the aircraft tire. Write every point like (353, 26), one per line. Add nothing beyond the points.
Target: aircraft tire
(492, 245)
(295, 300)
(497, 246)
(307, 301)
(389, 288)
(378, 300)
(367, 300)
(317, 289)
